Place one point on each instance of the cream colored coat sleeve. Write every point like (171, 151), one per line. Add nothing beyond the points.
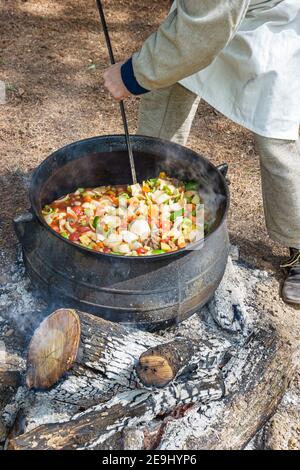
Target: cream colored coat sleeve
(187, 41)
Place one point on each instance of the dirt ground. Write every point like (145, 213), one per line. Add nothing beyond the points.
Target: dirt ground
(52, 57)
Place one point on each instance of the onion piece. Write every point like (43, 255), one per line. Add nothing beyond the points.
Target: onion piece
(128, 236)
(69, 228)
(176, 206)
(136, 189)
(72, 213)
(62, 224)
(89, 205)
(163, 198)
(140, 227)
(105, 201)
(49, 218)
(100, 237)
(113, 221)
(124, 248)
(114, 238)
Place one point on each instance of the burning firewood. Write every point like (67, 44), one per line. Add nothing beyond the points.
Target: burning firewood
(159, 365)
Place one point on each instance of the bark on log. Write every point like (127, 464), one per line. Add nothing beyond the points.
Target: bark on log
(92, 427)
(257, 379)
(105, 347)
(106, 357)
(10, 380)
(11, 367)
(160, 365)
(68, 336)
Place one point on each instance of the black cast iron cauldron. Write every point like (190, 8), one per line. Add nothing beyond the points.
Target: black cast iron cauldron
(152, 291)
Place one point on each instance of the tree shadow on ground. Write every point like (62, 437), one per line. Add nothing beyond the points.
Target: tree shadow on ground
(48, 45)
(14, 186)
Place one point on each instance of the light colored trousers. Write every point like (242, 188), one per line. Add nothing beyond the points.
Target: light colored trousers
(168, 113)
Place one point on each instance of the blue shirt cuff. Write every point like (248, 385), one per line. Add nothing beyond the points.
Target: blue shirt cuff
(129, 79)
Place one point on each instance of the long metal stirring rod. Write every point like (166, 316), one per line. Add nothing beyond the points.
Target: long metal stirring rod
(122, 107)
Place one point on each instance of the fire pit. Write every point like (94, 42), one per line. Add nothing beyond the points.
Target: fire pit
(224, 369)
(152, 291)
(228, 372)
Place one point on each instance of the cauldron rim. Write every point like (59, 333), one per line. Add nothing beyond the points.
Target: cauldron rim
(182, 251)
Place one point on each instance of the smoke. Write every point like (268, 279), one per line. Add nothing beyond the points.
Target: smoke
(20, 305)
(24, 306)
(186, 169)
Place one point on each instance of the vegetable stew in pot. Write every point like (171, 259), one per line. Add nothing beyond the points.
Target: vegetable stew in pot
(158, 216)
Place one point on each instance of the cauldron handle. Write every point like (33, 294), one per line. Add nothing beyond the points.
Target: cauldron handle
(20, 223)
(223, 168)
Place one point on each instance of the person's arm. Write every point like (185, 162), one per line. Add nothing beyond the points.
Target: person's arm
(190, 38)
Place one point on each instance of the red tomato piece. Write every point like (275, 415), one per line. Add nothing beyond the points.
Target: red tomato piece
(83, 229)
(55, 228)
(74, 237)
(141, 251)
(78, 210)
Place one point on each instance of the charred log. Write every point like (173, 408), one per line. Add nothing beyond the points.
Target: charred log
(160, 365)
(11, 369)
(70, 338)
(107, 398)
(92, 427)
(106, 356)
(10, 380)
(257, 379)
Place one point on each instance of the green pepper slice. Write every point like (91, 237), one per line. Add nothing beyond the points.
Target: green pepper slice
(176, 214)
(124, 195)
(96, 221)
(191, 186)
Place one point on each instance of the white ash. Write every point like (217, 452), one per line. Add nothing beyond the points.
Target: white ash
(234, 252)
(227, 321)
(194, 423)
(19, 302)
(291, 398)
(133, 439)
(232, 306)
(21, 399)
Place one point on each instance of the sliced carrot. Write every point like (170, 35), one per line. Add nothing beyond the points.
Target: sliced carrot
(146, 189)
